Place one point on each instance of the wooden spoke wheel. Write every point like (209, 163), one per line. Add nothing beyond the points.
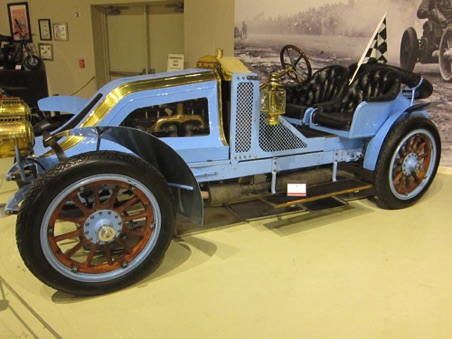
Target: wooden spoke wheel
(408, 162)
(95, 223)
(445, 55)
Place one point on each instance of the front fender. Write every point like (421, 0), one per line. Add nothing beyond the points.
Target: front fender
(376, 143)
(147, 147)
(169, 163)
(62, 103)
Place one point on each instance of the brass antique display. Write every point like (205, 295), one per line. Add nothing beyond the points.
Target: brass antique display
(273, 98)
(179, 118)
(15, 128)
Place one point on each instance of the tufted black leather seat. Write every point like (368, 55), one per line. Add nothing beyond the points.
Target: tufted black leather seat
(372, 85)
(325, 85)
(409, 80)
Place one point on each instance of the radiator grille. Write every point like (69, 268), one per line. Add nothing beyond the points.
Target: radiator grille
(277, 138)
(244, 116)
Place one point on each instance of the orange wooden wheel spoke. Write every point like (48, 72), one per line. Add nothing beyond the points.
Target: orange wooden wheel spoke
(401, 184)
(397, 169)
(109, 204)
(78, 221)
(409, 144)
(96, 195)
(108, 254)
(398, 177)
(128, 231)
(76, 200)
(68, 235)
(124, 246)
(416, 178)
(90, 256)
(73, 250)
(423, 156)
(127, 204)
(421, 148)
(135, 216)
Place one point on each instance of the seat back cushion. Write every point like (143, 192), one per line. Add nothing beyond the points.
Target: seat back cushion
(326, 84)
(375, 84)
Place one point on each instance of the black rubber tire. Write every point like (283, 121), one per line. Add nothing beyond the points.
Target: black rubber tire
(409, 49)
(445, 61)
(36, 230)
(400, 163)
(32, 62)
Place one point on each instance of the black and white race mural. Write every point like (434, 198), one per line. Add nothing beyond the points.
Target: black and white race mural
(337, 32)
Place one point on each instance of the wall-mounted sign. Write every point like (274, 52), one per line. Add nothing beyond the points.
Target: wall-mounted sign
(175, 62)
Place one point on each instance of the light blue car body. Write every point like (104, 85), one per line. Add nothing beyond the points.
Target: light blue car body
(251, 146)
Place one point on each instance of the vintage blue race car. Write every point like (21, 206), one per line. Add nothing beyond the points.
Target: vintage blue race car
(102, 179)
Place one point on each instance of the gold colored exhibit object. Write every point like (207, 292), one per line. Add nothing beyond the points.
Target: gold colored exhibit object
(227, 66)
(273, 99)
(15, 128)
(14, 109)
(179, 118)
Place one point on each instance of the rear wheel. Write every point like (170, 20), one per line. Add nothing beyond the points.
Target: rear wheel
(409, 49)
(445, 54)
(407, 163)
(95, 223)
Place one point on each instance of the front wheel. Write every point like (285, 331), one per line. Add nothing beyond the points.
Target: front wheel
(32, 62)
(407, 163)
(95, 223)
(445, 55)
(409, 49)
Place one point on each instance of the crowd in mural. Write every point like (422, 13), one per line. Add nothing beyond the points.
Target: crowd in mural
(350, 19)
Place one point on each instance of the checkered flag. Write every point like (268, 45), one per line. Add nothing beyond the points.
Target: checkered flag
(377, 48)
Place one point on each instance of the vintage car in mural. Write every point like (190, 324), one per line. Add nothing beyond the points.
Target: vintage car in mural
(433, 46)
(101, 180)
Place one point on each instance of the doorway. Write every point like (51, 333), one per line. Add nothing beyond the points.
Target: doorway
(133, 39)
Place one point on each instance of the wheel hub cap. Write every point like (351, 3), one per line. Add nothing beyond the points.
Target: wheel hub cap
(106, 233)
(410, 164)
(103, 226)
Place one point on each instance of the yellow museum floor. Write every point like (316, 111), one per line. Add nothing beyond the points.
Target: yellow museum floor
(361, 272)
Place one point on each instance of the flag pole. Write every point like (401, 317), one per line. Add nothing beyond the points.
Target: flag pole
(372, 39)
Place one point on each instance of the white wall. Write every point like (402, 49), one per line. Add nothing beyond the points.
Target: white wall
(208, 24)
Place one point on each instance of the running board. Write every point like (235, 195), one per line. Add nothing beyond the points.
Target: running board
(317, 192)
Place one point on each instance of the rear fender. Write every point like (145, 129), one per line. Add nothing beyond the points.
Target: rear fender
(376, 143)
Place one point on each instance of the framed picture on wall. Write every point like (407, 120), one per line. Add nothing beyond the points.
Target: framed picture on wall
(60, 32)
(19, 21)
(45, 30)
(45, 51)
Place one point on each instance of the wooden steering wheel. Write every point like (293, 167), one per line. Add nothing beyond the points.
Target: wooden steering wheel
(300, 69)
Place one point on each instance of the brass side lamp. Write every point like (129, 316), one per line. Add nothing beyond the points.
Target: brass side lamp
(273, 98)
